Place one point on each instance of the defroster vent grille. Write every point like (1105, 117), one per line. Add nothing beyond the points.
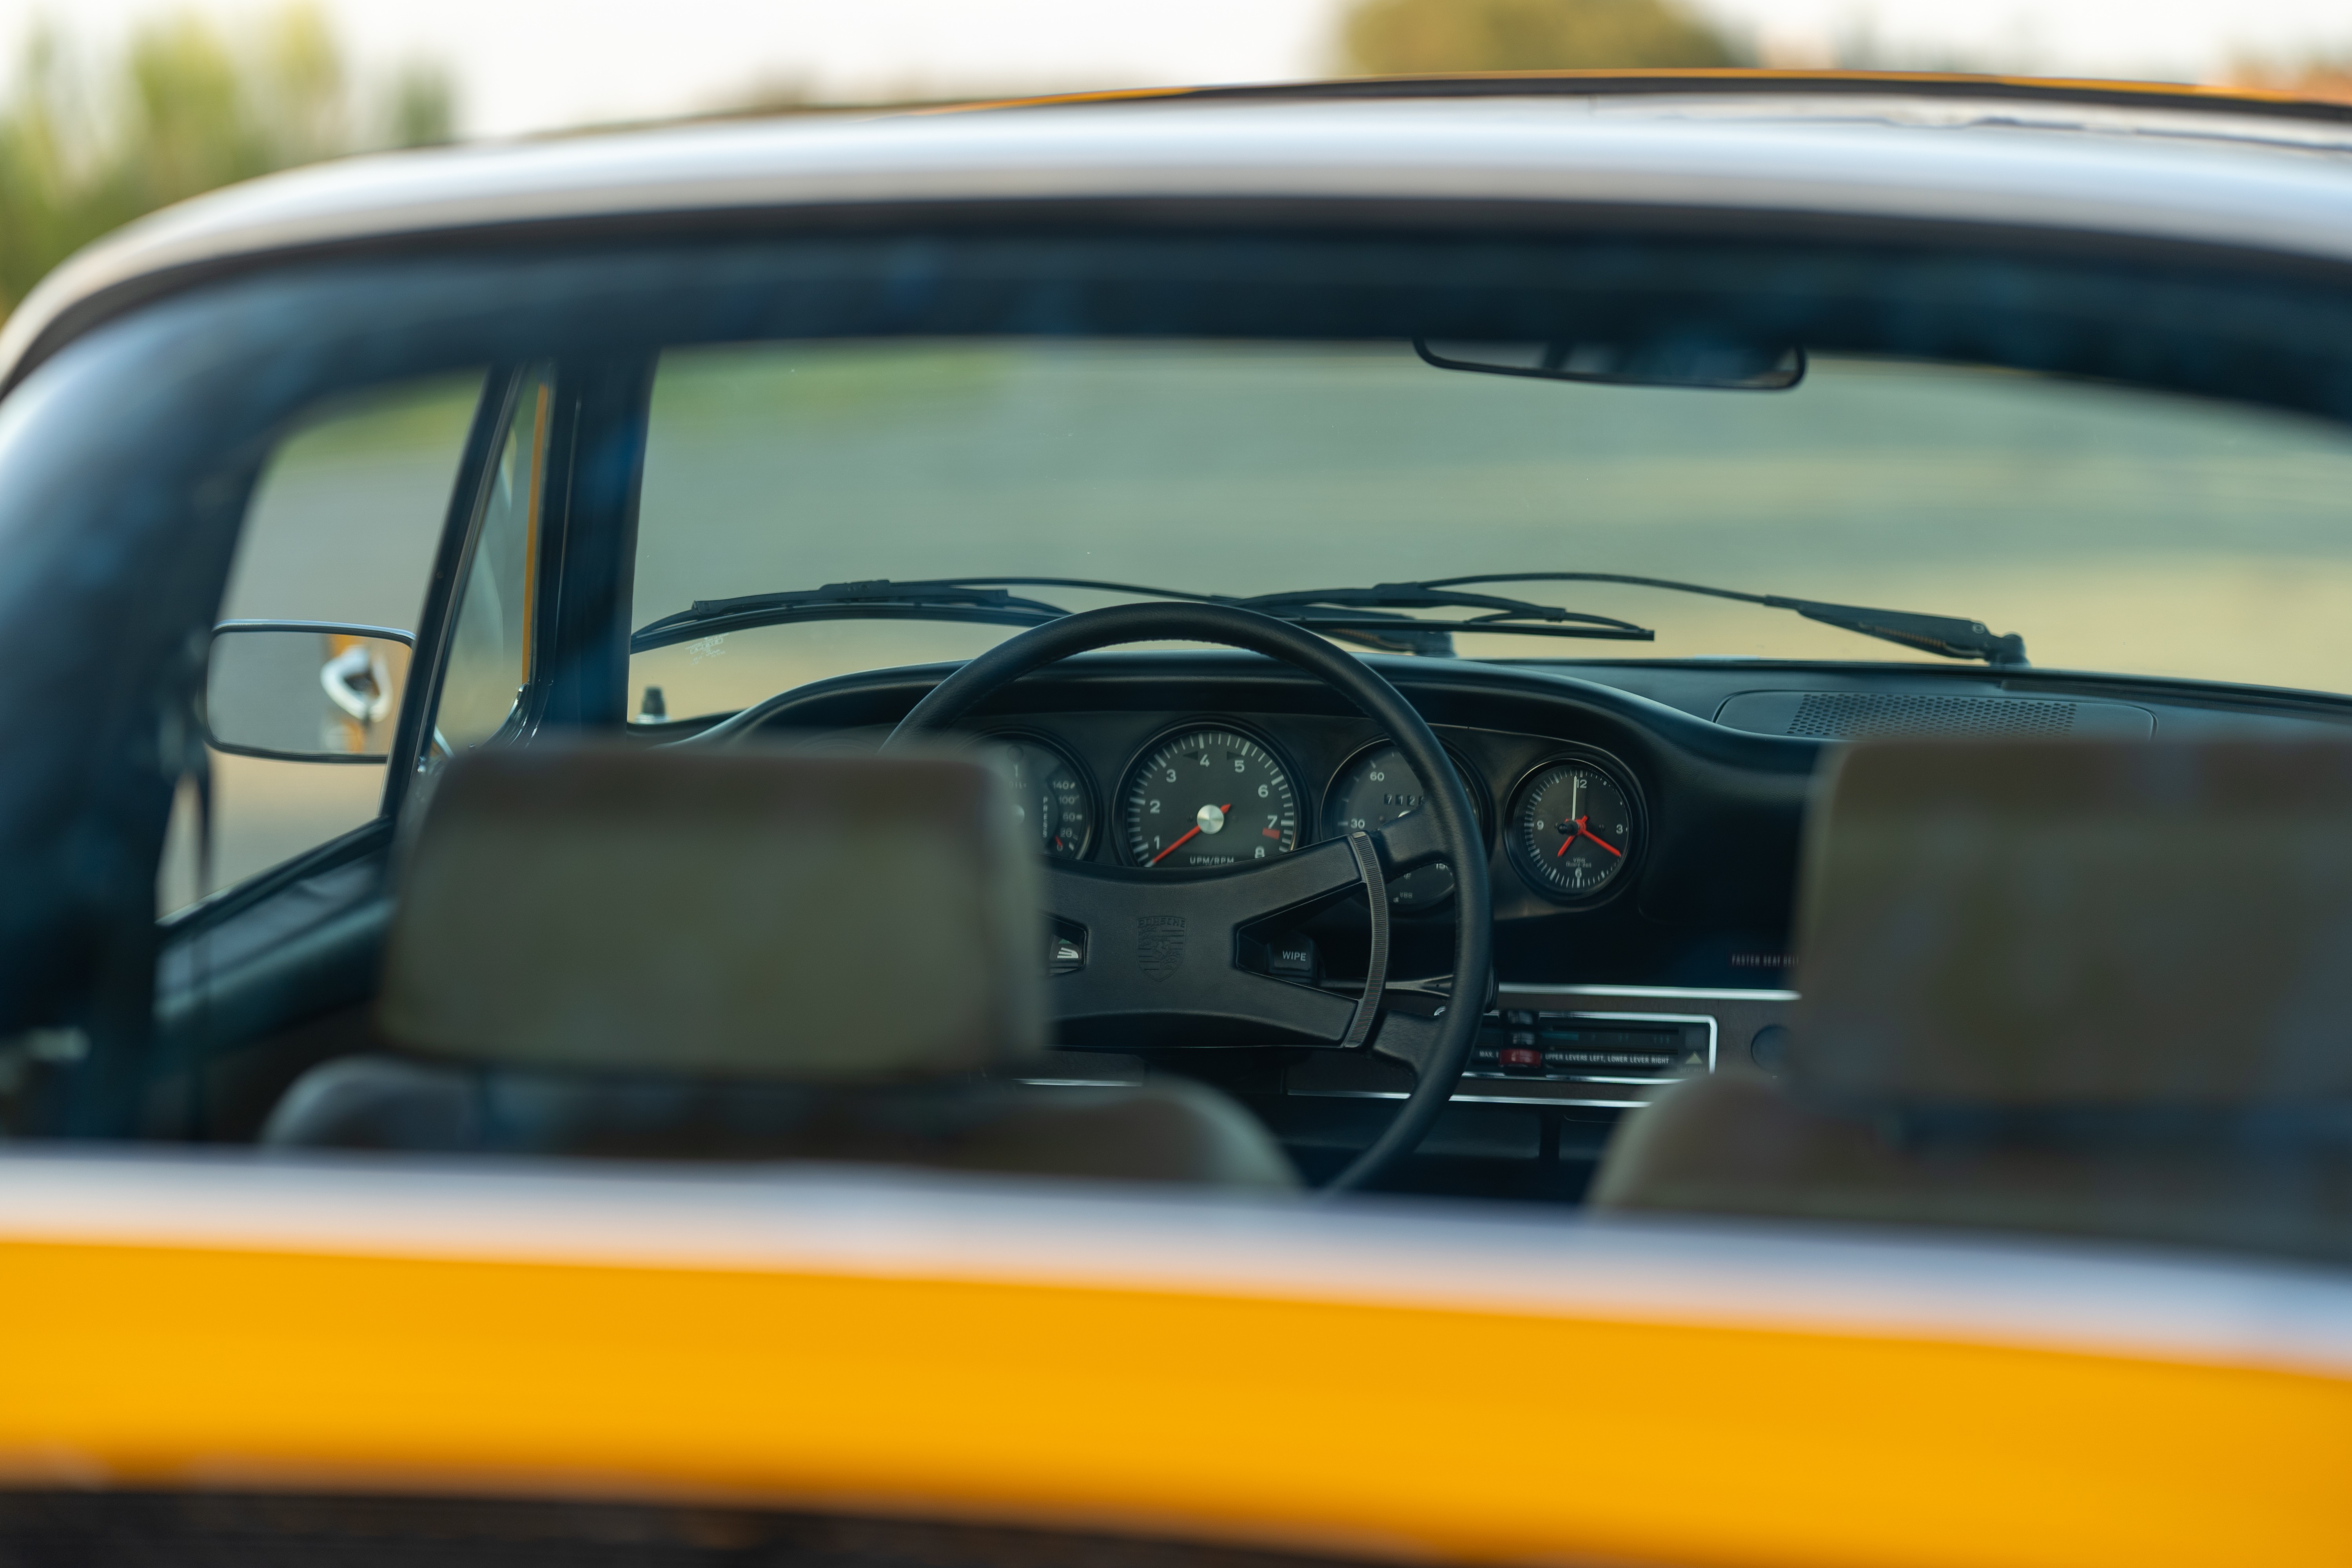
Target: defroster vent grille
(1863, 715)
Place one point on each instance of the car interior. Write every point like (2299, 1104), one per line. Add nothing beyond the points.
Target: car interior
(791, 760)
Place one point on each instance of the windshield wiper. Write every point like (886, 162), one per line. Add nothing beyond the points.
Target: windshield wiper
(1948, 636)
(876, 599)
(1363, 616)
(1368, 616)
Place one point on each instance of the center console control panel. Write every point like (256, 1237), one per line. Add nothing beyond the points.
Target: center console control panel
(1581, 1047)
(1585, 1047)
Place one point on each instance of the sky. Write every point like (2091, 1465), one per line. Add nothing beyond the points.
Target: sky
(533, 64)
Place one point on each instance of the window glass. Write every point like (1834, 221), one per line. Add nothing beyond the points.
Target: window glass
(489, 648)
(342, 527)
(2096, 520)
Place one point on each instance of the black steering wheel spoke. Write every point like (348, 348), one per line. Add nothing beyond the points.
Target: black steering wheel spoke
(1409, 843)
(1414, 1040)
(1159, 950)
(1155, 946)
(1159, 960)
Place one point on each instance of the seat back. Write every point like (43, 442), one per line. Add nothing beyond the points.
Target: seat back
(2050, 923)
(2086, 987)
(732, 914)
(610, 951)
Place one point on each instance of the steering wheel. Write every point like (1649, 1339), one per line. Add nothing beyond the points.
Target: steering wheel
(1163, 947)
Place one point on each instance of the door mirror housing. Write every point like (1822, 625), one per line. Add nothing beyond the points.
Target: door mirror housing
(305, 691)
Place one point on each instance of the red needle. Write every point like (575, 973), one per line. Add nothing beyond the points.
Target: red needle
(1191, 832)
(1576, 830)
(1172, 850)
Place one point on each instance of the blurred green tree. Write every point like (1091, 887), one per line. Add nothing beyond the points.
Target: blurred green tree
(182, 109)
(1408, 37)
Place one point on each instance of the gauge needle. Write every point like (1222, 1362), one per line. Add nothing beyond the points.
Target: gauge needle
(1191, 832)
(1576, 830)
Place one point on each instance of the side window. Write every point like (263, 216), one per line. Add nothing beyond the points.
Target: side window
(489, 647)
(342, 528)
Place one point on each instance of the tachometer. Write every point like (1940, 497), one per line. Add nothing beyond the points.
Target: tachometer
(1574, 829)
(1208, 798)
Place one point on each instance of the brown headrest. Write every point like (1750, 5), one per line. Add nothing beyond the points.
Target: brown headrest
(729, 913)
(2056, 923)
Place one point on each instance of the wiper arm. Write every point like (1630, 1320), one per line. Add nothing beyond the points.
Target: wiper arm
(1948, 636)
(1364, 615)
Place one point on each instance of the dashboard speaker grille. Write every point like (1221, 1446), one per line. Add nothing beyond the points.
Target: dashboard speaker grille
(1861, 715)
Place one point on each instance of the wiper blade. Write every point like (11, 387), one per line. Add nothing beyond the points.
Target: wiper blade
(874, 599)
(1330, 605)
(1355, 615)
(1950, 636)
(1366, 616)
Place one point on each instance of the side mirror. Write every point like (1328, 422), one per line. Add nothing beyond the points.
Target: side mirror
(305, 691)
(1674, 361)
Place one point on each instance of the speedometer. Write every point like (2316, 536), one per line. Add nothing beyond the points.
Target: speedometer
(1208, 798)
(1375, 788)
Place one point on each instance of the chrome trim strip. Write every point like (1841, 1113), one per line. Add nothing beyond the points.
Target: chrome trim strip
(1664, 993)
(1650, 1081)
(1555, 1102)
(1533, 1100)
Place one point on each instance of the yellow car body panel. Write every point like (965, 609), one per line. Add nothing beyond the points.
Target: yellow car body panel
(1349, 1417)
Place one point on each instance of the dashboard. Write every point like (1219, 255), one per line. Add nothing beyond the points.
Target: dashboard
(1641, 825)
(1627, 843)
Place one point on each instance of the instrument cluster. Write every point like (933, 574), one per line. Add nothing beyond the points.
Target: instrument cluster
(1215, 792)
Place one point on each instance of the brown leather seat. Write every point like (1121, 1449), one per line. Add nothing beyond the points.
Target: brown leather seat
(2091, 988)
(680, 953)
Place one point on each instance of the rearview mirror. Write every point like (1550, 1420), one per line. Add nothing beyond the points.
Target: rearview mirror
(1662, 361)
(305, 691)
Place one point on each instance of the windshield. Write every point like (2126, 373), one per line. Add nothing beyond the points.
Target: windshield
(2112, 529)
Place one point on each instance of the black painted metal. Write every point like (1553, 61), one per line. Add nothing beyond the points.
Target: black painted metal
(1128, 982)
(589, 538)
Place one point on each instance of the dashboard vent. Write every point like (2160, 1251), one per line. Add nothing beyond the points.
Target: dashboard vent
(1863, 715)
(1890, 715)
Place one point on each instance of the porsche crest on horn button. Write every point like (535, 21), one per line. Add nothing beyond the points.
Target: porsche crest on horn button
(1159, 945)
